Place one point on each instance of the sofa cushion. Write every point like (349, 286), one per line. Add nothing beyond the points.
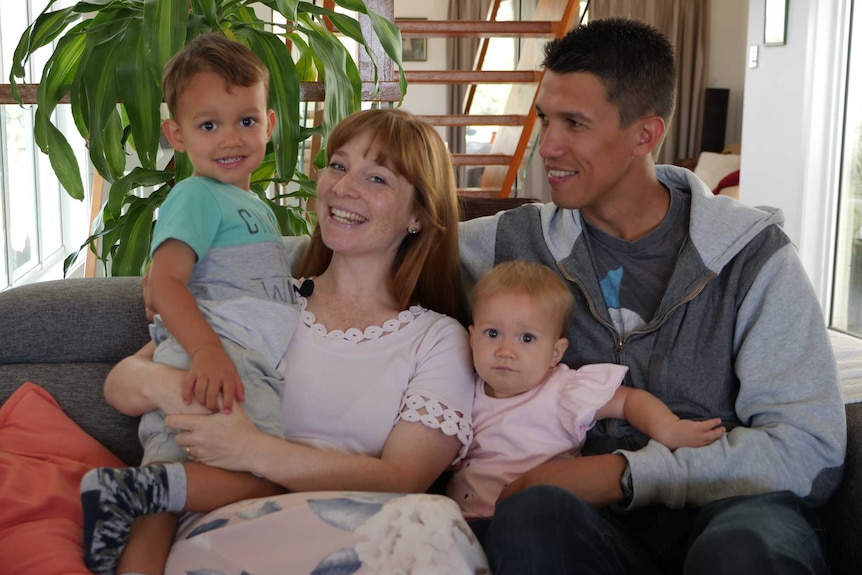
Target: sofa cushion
(712, 167)
(78, 389)
(43, 455)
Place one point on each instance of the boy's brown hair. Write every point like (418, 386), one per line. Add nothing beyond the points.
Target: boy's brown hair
(535, 280)
(211, 52)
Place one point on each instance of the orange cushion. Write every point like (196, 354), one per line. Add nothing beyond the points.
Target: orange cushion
(43, 455)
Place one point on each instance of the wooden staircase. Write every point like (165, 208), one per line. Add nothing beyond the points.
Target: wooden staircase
(515, 125)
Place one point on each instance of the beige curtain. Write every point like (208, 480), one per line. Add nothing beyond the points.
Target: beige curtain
(461, 55)
(686, 24)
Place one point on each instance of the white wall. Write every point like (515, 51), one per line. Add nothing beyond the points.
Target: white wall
(773, 106)
(726, 63)
(790, 110)
(426, 98)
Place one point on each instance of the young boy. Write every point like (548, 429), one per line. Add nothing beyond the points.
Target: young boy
(528, 408)
(221, 286)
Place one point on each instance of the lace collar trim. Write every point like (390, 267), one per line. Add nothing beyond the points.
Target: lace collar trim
(355, 335)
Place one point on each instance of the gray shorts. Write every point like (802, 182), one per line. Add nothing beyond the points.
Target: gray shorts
(263, 384)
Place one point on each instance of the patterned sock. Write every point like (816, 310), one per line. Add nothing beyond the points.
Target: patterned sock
(111, 500)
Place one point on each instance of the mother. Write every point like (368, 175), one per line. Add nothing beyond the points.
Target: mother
(378, 391)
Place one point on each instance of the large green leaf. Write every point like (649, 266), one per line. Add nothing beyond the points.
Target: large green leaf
(209, 10)
(98, 88)
(342, 84)
(102, 93)
(283, 95)
(133, 247)
(355, 5)
(286, 8)
(245, 15)
(227, 10)
(57, 77)
(78, 96)
(138, 177)
(113, 143)
(164, 32)
(183, 167)
(346, 25)
(43, 31)
(265, 171)
(388, 34)
(289, 222)
(117, 54)
(60, 154)
(390, 39)
(141, 95)
(305, 66)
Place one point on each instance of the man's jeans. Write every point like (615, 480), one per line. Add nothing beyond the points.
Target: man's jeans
(547, 530)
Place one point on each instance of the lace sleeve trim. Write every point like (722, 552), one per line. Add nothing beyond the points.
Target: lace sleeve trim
(436, 415)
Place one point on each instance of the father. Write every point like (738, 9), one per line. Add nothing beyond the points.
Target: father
(706, 302)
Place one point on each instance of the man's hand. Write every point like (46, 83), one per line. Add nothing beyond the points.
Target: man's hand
(593, 478)
(213, 373)
(689, 433)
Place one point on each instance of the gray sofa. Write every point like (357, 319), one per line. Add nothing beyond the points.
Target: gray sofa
(66, 335)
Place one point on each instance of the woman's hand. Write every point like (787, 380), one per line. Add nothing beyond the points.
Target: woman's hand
(221, 439)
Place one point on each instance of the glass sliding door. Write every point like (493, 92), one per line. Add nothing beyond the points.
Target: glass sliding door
(847, 295)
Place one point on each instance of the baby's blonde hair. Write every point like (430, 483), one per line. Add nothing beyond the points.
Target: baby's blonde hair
(535, 280)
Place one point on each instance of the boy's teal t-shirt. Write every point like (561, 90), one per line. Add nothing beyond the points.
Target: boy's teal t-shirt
(205, 213)
(242, 278)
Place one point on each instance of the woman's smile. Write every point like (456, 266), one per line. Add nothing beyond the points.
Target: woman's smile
(346, 217)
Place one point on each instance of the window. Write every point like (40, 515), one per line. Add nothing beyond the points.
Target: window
(39, 224)
(847, 296)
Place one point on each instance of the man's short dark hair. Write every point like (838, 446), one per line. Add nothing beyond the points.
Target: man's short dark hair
(633, 60)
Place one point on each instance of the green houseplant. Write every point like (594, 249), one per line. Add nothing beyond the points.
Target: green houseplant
(108, 58)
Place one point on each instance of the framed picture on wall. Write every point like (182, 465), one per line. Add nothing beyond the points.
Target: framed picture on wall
(414, 49)
(775, 23)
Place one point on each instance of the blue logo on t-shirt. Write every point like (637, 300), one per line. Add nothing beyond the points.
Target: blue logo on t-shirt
(611, 287)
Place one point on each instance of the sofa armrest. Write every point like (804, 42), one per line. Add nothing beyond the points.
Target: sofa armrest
(73, 320)
(65, 336)
(841, 514)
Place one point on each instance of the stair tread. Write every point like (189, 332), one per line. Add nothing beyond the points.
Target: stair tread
(472, 76)
(474, 28)
(481, 159)
(474, 119)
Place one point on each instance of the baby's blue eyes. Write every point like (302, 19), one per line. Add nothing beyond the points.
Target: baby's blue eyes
(525, 337)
